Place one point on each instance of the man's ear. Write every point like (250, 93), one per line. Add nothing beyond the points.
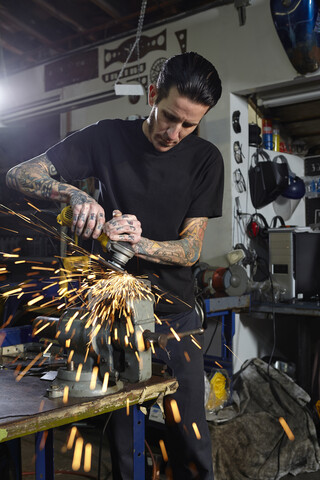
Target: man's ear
(152, 94)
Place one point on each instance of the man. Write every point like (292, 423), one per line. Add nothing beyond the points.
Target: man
(167, 183)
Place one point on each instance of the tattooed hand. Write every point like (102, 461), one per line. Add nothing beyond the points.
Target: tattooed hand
(125, 228)
(88, 216)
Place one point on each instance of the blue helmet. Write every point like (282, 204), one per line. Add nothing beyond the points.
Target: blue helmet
(295, 188)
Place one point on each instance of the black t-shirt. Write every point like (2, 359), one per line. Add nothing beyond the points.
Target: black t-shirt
(161, 188)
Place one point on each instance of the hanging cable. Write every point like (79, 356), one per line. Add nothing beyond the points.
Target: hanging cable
(126, 88)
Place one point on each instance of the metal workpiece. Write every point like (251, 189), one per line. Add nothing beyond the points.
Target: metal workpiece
(137, 358)
(113, 348)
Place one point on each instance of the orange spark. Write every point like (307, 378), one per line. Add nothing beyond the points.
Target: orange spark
(286, 428)
(87, 457)
(71, 438)
(22, 374)
(175, 410)
(105, 382)
(163, 450)
(94, 376)
(193, 340)
(33, 206)
(174, 333)
(79, 370)
(65, 394)
(77, 454)
(48, 348)
(7, 321)
(40, 329)
(196, 430)
(232, 352)
(40, 409)
(70, 356)
(43, 440)
(11, 292)
(35, 300)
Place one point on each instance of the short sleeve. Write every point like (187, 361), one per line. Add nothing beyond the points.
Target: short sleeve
(207, 191)
(73, 157)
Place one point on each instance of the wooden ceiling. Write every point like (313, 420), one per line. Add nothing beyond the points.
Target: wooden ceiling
(35, 31)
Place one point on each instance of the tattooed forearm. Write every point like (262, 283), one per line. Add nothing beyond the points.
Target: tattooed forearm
(34, 178)
(183, 252)
(77, 197)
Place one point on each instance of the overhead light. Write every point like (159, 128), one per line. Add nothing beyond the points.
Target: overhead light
(127, 89)
(280, 101)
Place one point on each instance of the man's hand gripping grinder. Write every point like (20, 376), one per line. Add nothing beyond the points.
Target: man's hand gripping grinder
(121, 252)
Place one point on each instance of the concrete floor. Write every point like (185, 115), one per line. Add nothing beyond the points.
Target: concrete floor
(91, 433)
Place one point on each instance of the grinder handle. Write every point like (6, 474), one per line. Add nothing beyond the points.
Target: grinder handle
(65, 218)
(161, 339)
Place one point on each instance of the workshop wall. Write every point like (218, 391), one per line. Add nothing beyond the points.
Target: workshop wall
(246, 57)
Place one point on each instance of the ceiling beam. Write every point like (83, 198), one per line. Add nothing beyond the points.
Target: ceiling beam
(63, 17)
(107, 8)
(31, 31)
(121, 20)
(17, 51)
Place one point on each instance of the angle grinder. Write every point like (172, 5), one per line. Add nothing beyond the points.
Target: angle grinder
(121, 252)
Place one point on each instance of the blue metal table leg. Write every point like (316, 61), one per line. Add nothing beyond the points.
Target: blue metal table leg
(14, 447)
(138, 444)
(44, 455)
(227, 333)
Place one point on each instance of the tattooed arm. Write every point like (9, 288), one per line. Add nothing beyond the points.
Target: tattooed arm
(185, 251)
(35, 178)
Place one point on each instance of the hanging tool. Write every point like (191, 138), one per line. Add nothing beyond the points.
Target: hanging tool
(121, 252)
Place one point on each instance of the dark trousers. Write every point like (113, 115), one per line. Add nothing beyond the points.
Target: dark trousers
(190, 454)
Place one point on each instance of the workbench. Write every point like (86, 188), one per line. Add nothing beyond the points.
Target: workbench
(25, 409)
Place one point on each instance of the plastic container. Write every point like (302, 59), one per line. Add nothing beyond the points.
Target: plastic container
(276, 138)
(267, 135)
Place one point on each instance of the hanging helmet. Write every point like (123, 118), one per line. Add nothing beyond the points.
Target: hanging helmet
(295, 188)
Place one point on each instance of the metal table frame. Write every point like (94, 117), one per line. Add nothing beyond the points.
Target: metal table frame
(56, 414)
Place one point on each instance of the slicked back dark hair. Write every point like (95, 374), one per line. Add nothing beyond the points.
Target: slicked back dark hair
(193, 76)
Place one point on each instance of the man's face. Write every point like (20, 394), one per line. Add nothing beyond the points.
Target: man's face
(172, 119)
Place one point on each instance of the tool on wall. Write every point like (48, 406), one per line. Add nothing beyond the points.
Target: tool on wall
(241, 5)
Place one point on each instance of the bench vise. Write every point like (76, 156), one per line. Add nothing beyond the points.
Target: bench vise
(101, 353)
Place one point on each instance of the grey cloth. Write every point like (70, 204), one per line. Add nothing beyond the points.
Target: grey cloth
(248, 440)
